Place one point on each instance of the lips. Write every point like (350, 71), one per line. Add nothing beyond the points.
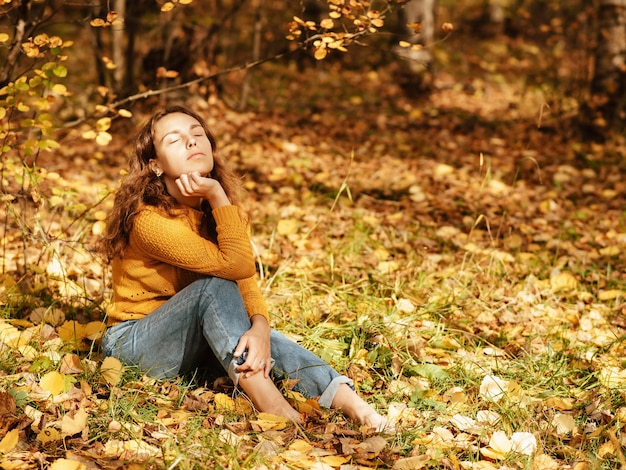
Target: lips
(194, 155)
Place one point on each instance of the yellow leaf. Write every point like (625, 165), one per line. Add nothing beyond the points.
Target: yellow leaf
(9, 441)
(610, 294)
(71, 331)
(4, 37)
(381, 253)
(94, 330)
(268, 421)
(89, 135)
(49, 435)
(301, 446)
(606, 450)
(287, 227)
(53, 382)
(562, 404)
(224, 402)
(111, 369)
(71, 425)
(335, 460)
(125, 113)
(610, 251)
(98, 227)
(327, 23)
(167, 6)
(320, 53)
(612, 377)
(103, 138)
(103, 124)
(66, 464)
(563, 282)
(60, 89)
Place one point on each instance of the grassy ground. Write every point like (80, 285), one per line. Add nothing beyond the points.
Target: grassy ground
(458, 252)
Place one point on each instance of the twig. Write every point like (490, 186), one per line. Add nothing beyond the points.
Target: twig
(618, 449)
(351, 39)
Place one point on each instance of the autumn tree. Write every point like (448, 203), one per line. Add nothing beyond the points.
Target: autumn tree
(605, 107)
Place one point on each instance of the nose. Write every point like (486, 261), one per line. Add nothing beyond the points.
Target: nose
(191, 142)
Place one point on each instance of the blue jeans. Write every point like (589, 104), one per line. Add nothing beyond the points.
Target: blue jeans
(202, 325)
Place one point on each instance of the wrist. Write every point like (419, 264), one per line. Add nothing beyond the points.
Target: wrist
(259, 321)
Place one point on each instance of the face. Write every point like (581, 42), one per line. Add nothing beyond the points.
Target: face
(181, 146)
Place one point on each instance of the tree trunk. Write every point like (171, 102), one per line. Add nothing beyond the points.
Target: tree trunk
(605, 107)
(119, 49)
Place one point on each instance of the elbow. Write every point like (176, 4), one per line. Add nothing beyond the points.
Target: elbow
(242, 268)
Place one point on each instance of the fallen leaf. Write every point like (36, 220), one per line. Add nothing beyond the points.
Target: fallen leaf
(223, 402)
(71, 425)
(563, 423)
(411, 463)
(301, 446)
(70, 364)
(111, 369)
(523, 443)
(374, 444)
(65, 464)
(9, 441)
(560, 403)
(49, 435)
(7, 404)
(493, 388)
(563, 282)
(53, 382)
(287, 227)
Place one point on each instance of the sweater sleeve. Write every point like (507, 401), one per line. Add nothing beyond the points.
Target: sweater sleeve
(253, 298)
(174, 240)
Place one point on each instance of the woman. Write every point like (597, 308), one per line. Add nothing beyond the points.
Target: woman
(185, 294)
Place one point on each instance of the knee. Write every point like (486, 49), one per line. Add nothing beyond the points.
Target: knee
(215, 284)
(218, 293)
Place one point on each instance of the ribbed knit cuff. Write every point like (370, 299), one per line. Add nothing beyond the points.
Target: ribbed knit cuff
(227, 215)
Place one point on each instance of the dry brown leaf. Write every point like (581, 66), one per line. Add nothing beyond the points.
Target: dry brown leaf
(7, 404)
(412, 463)
(70, 364)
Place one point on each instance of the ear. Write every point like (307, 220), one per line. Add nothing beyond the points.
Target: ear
(154, 167)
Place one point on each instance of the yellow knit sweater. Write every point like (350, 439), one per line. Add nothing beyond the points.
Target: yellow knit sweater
(166, 254)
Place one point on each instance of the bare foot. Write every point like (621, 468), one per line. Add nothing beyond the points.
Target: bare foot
(267, 398)
(357, 409)
(380, 423)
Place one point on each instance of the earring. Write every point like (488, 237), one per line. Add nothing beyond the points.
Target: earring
(158, 172)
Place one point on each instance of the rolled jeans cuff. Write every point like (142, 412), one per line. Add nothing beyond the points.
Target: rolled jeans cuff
(326, 399)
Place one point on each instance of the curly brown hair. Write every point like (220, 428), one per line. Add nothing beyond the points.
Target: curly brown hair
(143, 186)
